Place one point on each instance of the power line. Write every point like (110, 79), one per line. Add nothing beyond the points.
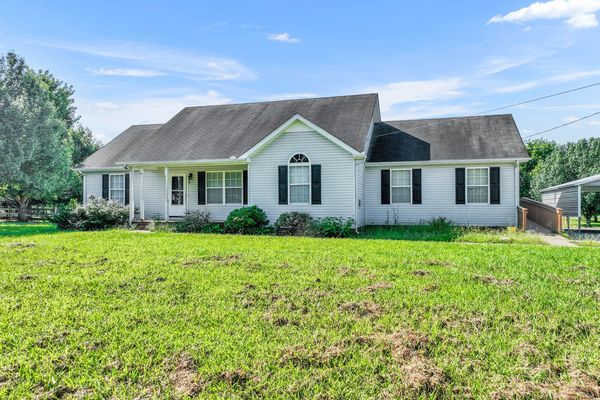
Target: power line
(502, 108)
(560, 126)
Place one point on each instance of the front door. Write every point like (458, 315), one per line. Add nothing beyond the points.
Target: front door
(177, 204)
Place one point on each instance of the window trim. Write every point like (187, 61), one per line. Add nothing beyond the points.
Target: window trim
(309, 184)
(110, 190)
(224, 187)
(467, 186)
(409, 186)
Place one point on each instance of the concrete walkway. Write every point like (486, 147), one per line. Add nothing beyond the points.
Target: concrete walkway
(548, 237)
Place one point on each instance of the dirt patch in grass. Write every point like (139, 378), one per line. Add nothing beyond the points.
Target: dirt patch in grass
(183, 375)
(345, 271)
(377, 286)
(237, 377)
(430, 288)
(436, 263)
(300, 356)
(580, 386)
(20, 244)
(421, 375)
(218, 259)
(492, 280)
(361, 308)
(420, 272)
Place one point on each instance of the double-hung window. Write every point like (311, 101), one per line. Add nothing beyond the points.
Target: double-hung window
(478, 187)
(401, 185)
(224, 187)
(299, 179)
(117, 188)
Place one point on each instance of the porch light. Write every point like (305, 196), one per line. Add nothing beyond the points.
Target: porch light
(190, 177)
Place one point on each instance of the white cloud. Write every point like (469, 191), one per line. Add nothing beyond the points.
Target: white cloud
(594, 122)
(416, 91)
(129, 72)
(288, 96)
(495, 65)
(578, 14)
(568, 77)
(283, 37)
(426, 111)
(164, 59)
(108, 119)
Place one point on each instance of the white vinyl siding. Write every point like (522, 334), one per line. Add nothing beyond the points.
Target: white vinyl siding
(439, 199)
(337, 174)
(566, 199)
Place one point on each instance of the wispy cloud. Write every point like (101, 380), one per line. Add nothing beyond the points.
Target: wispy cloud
(288, 96)
(495, 65)
(561, 78)
(395, 93)
(129, 72)
(109, 118)
(578, 14)
(283, 37)
(427, 111)
(164, 59)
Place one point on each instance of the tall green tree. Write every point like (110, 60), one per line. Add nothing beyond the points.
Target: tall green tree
(569, 162)
(34, 157)
(539, 150)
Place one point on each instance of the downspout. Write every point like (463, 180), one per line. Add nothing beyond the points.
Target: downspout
(517, 193)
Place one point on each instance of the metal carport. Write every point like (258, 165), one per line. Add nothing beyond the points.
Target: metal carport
(568, 196)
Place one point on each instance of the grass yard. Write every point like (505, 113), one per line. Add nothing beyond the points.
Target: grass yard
(124, 314)
(573, 222)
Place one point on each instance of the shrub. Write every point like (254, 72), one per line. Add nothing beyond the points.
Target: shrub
(336, 227)
(246, 220)
(213, 228)
(295, 224)
(95, 215)
(195, 221)
(441, 224)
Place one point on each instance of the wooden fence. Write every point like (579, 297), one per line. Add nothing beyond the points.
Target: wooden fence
(34, 212)
(543, 214)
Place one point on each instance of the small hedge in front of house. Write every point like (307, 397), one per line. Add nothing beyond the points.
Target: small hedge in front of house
(96, 214)
(198, 222)
(250, 220)
(295, 223)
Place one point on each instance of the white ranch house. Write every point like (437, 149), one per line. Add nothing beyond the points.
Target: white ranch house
(326, 156)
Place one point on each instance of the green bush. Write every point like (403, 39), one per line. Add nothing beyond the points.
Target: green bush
(95, 215)
(441, 224)
(295, 224)
(336, 227)
(246, 220)
(195, 221)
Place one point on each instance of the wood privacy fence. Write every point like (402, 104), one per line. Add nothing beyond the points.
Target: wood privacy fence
(34, 212)
(543, 214)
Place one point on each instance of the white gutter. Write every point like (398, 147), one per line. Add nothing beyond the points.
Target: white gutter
(185, 162)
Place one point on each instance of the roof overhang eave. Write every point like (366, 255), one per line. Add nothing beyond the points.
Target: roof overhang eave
(456, 161)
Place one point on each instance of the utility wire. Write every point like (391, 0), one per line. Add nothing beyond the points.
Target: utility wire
(502, 108)
(560, 126)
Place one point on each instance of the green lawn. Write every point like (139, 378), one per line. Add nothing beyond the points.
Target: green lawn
(124, 314)
(573, 221)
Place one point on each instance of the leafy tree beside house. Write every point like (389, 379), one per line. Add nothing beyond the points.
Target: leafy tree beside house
(539, 150)
(569, 162)
(34, 158)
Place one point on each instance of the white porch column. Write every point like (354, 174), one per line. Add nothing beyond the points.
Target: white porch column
(166, 193)
(579, 208)
(142, 213)
(131, 197)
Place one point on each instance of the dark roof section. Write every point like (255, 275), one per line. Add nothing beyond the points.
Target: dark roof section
(464, 138)
(225, 131)
(124, 146)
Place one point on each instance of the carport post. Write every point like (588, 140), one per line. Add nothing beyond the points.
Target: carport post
(579, 208)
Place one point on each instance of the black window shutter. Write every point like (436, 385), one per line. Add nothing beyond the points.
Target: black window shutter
(460, 186)
(283, 184)
(201, 187)
(416, 186)
(245, 186)
(126, 189)
(385, 186)
(105, 186)
(315, 184)
(494, 185)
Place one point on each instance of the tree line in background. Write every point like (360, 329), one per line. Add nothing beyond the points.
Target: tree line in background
(41, 138)
(552, 164)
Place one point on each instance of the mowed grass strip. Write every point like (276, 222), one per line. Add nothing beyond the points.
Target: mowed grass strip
(160, 315)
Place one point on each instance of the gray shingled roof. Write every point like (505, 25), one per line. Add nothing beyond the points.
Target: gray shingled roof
(225, 131)
(123, 147)
(465, 138)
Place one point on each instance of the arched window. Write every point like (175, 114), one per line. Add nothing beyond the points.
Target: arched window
(299, 179)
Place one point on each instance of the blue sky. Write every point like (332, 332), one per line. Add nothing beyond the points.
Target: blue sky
(140, 62)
